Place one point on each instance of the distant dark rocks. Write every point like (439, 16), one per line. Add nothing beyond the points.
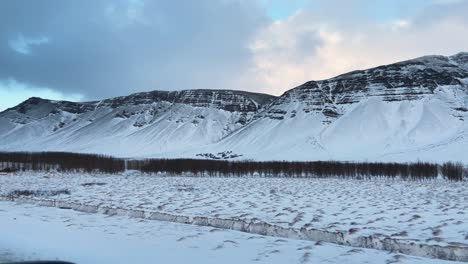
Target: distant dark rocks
(225, 155)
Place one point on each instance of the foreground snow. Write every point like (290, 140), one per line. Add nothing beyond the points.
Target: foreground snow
(429, 212)
(30, 233)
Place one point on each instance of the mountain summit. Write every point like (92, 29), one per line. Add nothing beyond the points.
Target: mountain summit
(410, 110)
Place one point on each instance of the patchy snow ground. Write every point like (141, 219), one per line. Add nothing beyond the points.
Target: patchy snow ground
(29, 232)
(431, 212)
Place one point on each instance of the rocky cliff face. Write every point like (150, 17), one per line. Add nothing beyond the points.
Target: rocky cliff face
(402, 81)
(228, 100)
(146, 103)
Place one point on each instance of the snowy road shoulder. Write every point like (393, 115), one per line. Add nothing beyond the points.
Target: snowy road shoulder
(30, 232)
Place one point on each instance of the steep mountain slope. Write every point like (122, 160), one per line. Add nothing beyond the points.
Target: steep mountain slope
(137, 125)
(410, 110)
(415, 109)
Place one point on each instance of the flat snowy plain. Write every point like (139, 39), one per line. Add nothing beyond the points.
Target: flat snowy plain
(31, 232)
(430, 212)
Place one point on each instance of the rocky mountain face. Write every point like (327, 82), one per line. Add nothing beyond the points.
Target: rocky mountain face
(241, 102)
(403, 81)
(227, 100)
(140, 124)
(232, 101)
(409, 110)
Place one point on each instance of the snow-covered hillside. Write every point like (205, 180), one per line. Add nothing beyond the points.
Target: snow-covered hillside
(137, 125)
(410, 110)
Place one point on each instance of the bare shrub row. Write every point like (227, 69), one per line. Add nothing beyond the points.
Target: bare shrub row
(61, 161)
(416, 170)
(453, 171)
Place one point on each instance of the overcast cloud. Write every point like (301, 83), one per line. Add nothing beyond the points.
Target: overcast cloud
(93, 49)
(327, 41)
(102, 48)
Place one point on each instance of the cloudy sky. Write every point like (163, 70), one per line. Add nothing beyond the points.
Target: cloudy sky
(94, 49)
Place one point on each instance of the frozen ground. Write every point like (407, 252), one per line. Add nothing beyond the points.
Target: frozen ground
(421, 218)
(29, 232)
(433, 212)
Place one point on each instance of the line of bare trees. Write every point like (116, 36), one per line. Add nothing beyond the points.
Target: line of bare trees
(61, 161)
(453, 171)
(416, 170)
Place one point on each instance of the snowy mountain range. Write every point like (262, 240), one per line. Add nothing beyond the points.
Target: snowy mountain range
(407, 111)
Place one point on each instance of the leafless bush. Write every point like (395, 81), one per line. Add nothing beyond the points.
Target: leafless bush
(61, 161)
(453, 171)
(89, 184)
(37, 193)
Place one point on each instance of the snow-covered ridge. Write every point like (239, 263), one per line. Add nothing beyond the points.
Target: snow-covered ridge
(138, 124)
(406, 111)
(407, 80)
(228, 100)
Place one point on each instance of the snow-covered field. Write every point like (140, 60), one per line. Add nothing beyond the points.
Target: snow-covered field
(30, 232)
(425, 212)
(435, 212)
